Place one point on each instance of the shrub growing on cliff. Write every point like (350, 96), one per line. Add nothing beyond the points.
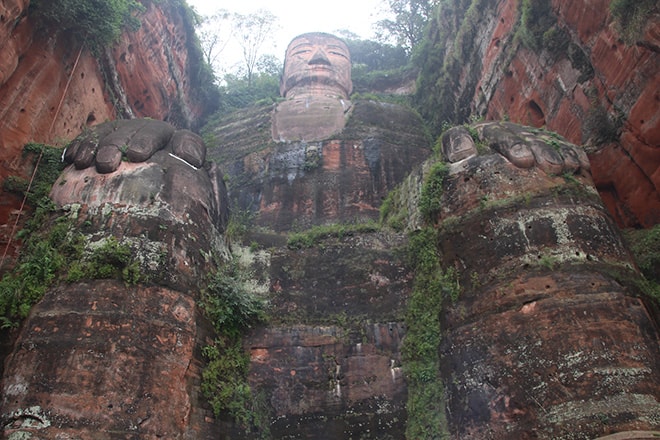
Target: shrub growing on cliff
(98, 22)
(425, 406)
(232, 308)
(314, 235)
(108, 259)
(430, 198)
(632, 16)
(645, 246)
(536, 19)
(229, 304)
(45, 250)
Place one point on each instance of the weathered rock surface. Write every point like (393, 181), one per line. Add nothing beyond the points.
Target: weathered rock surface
(149, 73)
(546, 340)
(329, 365)
(586, 84)
(101, 359)
(341, 179)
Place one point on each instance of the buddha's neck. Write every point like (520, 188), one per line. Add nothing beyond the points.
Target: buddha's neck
(318, 90)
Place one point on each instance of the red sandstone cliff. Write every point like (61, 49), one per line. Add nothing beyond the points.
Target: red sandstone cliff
(594, 89)
(153, 72)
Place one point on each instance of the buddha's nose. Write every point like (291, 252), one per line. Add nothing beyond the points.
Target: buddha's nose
(319, 57)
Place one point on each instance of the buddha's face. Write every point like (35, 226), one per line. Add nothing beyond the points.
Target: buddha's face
(317, 63)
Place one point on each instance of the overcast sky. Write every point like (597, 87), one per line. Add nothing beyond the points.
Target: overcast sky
(296, 17)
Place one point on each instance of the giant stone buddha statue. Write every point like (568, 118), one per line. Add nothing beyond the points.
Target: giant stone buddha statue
(316, 84)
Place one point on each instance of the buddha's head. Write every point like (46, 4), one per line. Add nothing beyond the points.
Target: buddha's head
(317, 63)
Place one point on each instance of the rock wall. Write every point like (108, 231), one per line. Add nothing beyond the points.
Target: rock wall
(538, 343)
(586, 84)
(104, 358)
(153, 72)
(532, 347)
(290, 185)
(329, 363)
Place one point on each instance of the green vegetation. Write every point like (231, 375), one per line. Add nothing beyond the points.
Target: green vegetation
(50, 167)
(392, 213)
(43, 256)
(313, 159)
(314, 235)
(632, 16)
(645, 246)
(536, 19)
(53, 248)
(425, 406)
(403, 100)
(201, 72)
(99, 23)
(238, 92)
(229, 304)
(440, 57)
(43, 253)
(481, 146)
(107, 259)
(430, 201)
(373, 56)
(232, 308)
(378, 66)
(57, 252)
(408, 22)
(537, 29)
(602, 126)
(548, 261)
(240, 222)
(432, 286)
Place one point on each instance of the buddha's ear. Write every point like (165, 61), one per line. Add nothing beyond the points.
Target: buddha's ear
(282, 85)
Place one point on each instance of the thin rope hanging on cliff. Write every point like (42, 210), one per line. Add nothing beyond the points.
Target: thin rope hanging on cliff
(41, 153)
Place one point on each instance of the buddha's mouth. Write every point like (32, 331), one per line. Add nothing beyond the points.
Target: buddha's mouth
(321, 67)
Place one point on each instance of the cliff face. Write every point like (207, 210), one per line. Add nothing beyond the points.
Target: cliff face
(581, 81)
(152, 72)
(502, 302)
(293, 185)
(533, 251)
(542, 267)
(122, 359)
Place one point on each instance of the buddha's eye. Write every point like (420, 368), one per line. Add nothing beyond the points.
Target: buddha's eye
(338, 54)
(301, 49)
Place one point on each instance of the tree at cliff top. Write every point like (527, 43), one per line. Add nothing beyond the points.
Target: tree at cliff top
(214, 33)
(237, 92)
(375, 64)
(98, 22)
(250, 32)
(410, 19)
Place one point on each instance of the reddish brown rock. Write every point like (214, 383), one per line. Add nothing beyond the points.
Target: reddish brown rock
(326, 384)
(150, 73)
(102, 359)
(592, 88)
(339, 179)
(547, 339)
(93, 363)
(329, 363)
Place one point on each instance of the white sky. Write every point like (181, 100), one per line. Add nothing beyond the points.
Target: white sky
(295, 17)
